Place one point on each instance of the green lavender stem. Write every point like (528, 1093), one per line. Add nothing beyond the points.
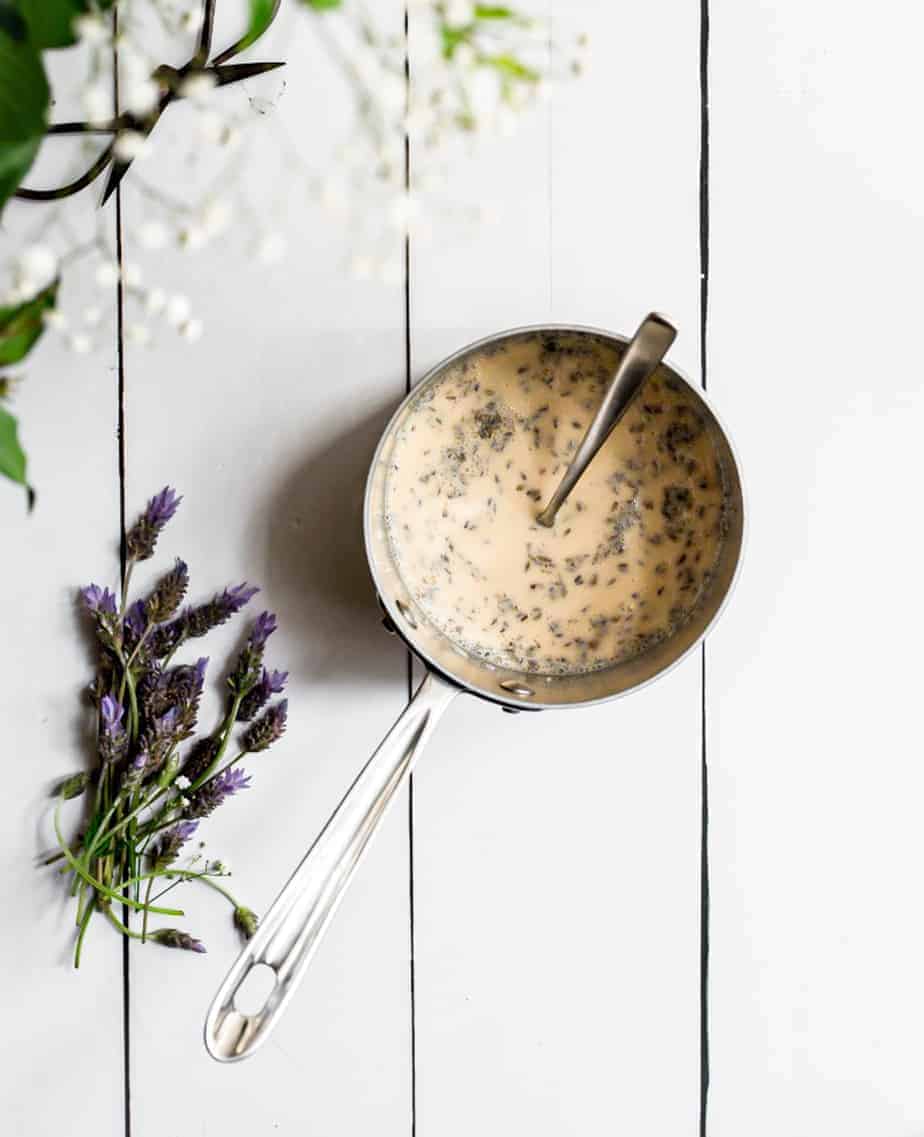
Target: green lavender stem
(203, 877)
(123, 928)
(227, 727)
(101, 888)
(84, 924)
(147, 901)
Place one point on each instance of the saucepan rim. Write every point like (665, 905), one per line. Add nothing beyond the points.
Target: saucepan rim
(398, 619)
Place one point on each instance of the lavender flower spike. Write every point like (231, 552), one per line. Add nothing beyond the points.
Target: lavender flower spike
(113, 741)
(274, 681)
(263, 628)
(219, 609)
(244, 679)
(98, 601)
(142, 537)
(136, 768)
(271, 683)
(165, 600)
(212, 793)
(267, 729)
(164, 640)
(200, 757)
(135, 623)
(167, 848)
(111, 712)
(173, 937)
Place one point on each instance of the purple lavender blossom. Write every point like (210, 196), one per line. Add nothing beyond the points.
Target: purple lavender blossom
(179, 689)
(98, 601)
(142, 537)
(274, 681)
(267, 729)
(165, 639)
(188, 692)
(156, 743)
(166, 724)
(271, 683)
(263, 628)
(212, 793)
(201, 756)
(113, 741)
(165, 600)
(219, 609)
(173, 937)
(111, 712)
(134, 624)
(167, 848)
(232, 781)
(244, 679)
(135, 770)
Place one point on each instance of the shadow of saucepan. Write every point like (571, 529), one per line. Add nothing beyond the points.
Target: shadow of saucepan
(319, 576)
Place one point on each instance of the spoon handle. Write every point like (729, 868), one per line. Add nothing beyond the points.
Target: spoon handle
(644, 352)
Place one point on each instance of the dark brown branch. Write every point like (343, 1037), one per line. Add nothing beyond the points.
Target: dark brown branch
(72, 187)
(205, 34)
(233, 72)
(170, 79)
(85, 127)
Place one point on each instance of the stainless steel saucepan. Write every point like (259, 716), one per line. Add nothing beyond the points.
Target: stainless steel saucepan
(292, 929)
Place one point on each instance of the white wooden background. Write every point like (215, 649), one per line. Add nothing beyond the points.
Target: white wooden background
(556, 868)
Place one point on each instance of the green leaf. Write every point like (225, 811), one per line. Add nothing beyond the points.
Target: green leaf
(510, 66)
(23, 105)
(11, 21)
(322, 5)
(51, 22)
(262, 13)
(493, 12)
(452, 37)
(15, 160)
(12, 456)
(22, 324)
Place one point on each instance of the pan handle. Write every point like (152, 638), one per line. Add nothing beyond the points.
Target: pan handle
(288, 935)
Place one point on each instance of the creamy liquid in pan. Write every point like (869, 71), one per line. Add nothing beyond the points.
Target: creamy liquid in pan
(631, 549)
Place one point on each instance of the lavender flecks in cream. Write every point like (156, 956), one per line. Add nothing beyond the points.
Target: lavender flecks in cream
(631, 549)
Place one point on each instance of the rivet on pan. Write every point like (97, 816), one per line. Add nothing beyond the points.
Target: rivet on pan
(516, 688)
(406, 613)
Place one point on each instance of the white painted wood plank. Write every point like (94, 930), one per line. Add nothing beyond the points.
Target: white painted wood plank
(267, 427)
(62, 1027)
(814, 736)
(557, 855)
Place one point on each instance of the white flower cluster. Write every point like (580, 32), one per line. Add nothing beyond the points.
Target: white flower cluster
(32, 269)
(36, 266)
(472, 74)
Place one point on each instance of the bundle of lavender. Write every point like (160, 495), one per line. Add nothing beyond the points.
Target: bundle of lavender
(151, 785)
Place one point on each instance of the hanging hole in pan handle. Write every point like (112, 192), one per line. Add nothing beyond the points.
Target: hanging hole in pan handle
(243, 1008)
(254, 990)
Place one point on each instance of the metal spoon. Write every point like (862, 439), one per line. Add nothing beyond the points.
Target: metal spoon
(645, 351)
